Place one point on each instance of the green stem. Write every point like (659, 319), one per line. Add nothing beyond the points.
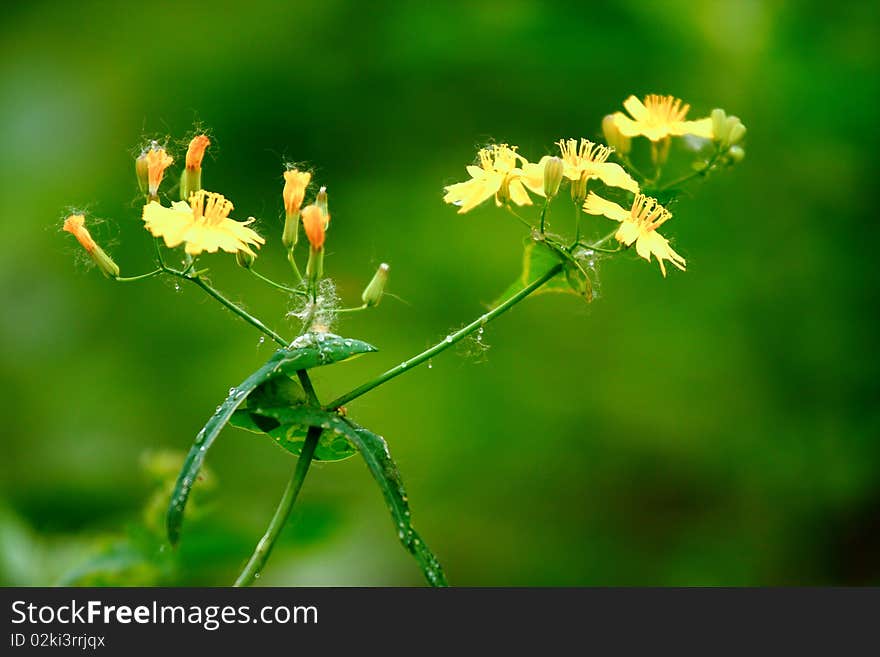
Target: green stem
(544, 213)
(352, 310)
(250, 319)
(264, 548)
(277, 285)
(521, 220)
(131, 279)
(696, 174)
(292, 260)
(450, 340)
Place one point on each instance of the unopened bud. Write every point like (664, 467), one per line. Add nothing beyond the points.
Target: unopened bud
(553, 170)
(314, 226)
(244, 259)
(321, 202)
(141, 170)
(613, 136)
(157, 160)
(736, 134)
(191, 177)
(376, 288)
(736, 154)
(75, 225)
(719, 125)
(579, 189)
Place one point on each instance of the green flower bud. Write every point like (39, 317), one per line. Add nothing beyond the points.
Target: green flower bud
(142, 171)
(373, 292)
(736, 134)
(244, 259)
(553, 176)
(719, 125)
(579, 190)
(736, 154)
(613, 136)
(321, 202)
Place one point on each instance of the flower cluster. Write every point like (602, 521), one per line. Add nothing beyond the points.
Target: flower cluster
(506, 175)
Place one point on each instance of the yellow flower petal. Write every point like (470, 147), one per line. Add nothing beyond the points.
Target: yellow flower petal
(597, 205)
(518, 193)
(533, 175)
(168, 223)
(627, 233)
(636, 108)
(700, 128)
(615, 175)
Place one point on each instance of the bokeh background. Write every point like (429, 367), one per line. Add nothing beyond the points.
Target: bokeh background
(717, 427)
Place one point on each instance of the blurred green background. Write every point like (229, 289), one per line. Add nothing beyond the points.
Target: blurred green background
(717, 427)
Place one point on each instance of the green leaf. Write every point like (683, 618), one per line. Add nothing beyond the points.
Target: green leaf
(308, 351)
(314, 349)
(378, 459)
(290, 434)
(538, 259)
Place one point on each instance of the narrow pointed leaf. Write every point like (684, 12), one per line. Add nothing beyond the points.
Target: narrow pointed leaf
(307, 351)
(374, 450)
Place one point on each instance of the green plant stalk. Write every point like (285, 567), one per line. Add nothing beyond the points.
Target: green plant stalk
(261, 554)
(450, 340)
(696, 174)
(250, 319)
(131, 279)
(265, 279)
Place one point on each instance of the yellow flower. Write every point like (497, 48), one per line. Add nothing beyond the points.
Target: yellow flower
(203, 224)
(583, 161)
(639, 224)
(659, 117)
(498, 175)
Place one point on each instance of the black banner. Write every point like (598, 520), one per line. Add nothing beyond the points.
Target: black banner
(396, 621)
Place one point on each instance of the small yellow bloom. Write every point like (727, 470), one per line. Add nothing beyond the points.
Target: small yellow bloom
(497, 175)
(75, 224)
(659, 117)
(584, 161)
(157, 161)
(315, 225)
(639, 224)
(295, 183)
(196, 152)
(203, 224)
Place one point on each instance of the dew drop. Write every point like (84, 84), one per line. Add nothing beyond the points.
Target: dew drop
(257, 575)
(430, 364)
(449, 338)
(177, 287)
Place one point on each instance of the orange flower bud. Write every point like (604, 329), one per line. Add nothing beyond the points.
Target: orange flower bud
(157, 161)
(313, 224)
(295, 183)
(196, 151)
(75, 224)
